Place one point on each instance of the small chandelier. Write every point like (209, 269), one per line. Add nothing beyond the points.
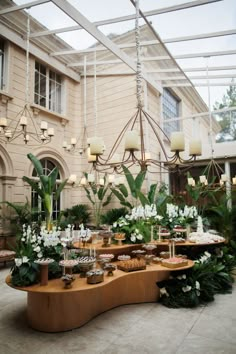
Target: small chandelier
(34, 134)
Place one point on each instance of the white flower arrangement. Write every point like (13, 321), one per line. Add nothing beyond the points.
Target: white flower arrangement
(163, 291)
(20, 261)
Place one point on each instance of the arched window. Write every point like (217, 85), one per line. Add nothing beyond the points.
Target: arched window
(48, 166)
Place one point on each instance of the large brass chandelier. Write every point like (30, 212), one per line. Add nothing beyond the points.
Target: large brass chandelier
(132, 135)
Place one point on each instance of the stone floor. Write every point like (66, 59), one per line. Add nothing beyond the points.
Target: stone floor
(139, 329)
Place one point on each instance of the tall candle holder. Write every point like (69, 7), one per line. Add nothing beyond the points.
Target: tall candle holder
(43, 263)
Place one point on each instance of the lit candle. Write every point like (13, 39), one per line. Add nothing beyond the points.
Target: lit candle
(223, 177)
(111, 178)
(96, 146)
(101, 181)
(91, 178)
(83, 181)
(195, 147)
(73, 141)
(51, 132)
(3, 122)
(169, 249)
(132, 140)
(72, 178)
(44, 125)
(23, 121)
(173, 248)
(202, 179)
(91, 158)
(152, 233)
(177, 141)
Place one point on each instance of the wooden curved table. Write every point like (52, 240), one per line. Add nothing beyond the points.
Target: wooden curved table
(52, 308)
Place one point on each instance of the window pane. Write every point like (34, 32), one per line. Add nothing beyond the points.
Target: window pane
(170, 110)
(40, 80)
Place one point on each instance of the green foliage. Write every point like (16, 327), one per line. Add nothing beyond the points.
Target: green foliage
(99, 197)
(76, 215)
(113, 215)
(25, 275)
(47, 189)
(210, 275)
(23, 214)
(133, 196)
(227, 120)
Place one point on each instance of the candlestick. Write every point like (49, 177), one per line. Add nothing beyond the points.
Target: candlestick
(169, 249)
(152, 233)
(159, 233)
(173, 248)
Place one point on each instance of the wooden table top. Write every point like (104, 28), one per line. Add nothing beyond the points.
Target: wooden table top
(80, 284)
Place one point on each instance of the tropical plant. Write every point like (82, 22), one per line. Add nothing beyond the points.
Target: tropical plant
(132, 196)
(23, 214)
(210, 275)
(76, 215)
(47, 189)
(113, 215)
(99, 196)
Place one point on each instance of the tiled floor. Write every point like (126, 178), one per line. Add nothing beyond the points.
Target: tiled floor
(139, 329)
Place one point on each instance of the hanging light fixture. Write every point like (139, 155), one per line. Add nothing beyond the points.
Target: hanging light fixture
(32, 135)
(79, 145)
(213, 174)
(135, 149)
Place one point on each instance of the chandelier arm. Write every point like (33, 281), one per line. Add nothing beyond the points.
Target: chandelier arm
(118, 140)
(157, 124)
(157, 135)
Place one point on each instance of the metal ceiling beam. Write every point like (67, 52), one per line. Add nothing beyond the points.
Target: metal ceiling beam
(210, 77)
(211, 68)
(73, 13)
(38, 53)
(205, 54)
(161, 57)
(200, 36)
(148, 43)
(22, 7)
(201, 85)
(128, 17)
(101, 49)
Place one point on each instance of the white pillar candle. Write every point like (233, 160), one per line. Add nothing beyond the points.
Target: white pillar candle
(83, 181)
(73, 141)
(101, 181)
(44, 125)
(91, 178)
(23, 121)
(234, 180)
(190, 181)
(3, 122)
(64, 144)
(96, 146)
(195, 147)
(169, 249)
(152, 233)
(111, 178)
(202, 179)
(177, 141)
(8, 134)
(223, 177)
(51, 132)
(72, 178)
(132, 140)
(91, 158)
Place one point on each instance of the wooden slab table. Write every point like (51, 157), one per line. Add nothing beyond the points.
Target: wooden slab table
(51, 308)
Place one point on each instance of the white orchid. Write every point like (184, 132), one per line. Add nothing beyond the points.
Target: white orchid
(163, 291)
(186, 288)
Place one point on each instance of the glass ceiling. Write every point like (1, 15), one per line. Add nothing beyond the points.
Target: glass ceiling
(213, 17)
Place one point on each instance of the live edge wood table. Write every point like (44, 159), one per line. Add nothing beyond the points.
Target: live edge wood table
(51, 308)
